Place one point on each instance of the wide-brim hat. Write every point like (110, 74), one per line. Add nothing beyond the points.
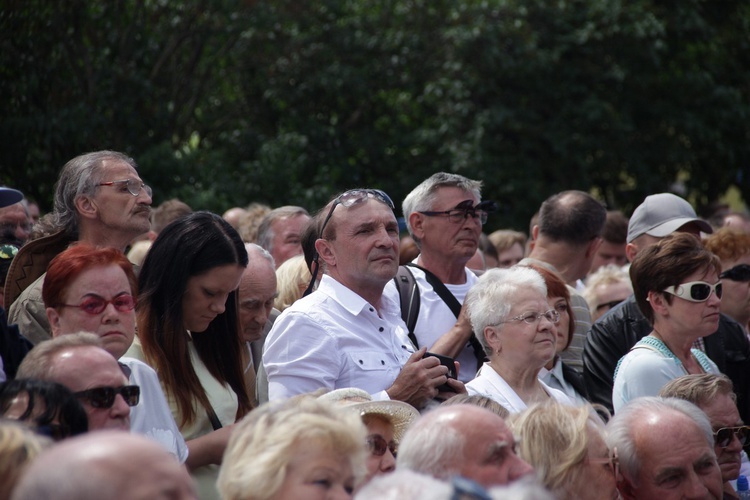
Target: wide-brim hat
(9, 196)
(399, 414)
(662, 214)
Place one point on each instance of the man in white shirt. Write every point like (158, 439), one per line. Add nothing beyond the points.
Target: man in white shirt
(445, 217)
(347, 333)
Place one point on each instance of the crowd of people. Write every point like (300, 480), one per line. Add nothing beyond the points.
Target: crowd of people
(280, 353)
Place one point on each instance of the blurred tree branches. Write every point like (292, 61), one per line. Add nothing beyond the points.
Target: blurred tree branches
(224, 102)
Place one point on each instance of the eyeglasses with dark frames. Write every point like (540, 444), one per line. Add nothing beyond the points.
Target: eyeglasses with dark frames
(739, 272)
(104, 397)
(347, 199)
(723, 437)
(96, 305)
(695, 291)
(133, 186)
(464, 210)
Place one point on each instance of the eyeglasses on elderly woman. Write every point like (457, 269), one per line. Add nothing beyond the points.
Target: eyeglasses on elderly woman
(96, 305)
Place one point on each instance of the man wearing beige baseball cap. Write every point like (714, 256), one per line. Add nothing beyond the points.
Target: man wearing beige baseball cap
(612, 336)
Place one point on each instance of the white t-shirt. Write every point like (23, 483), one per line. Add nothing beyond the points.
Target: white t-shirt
(436, 318)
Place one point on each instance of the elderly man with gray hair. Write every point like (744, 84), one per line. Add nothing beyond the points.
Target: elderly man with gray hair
(714, 395)
(462, 440)
(280, 232)
(665, 450)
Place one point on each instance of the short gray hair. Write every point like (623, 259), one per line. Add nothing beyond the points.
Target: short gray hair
(265, 230)
(253, 249)
(424, 195)
(80, 177)
(432, 446)
(490, 300)
(621, 429)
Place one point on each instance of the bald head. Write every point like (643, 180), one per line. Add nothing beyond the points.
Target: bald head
(111, 464)
(462, 440)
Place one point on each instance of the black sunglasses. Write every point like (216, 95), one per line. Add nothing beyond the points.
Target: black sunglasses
(347, 199)
(377, 445)
(723, 437)
(104, 397)
(737, 273)
(608, 305)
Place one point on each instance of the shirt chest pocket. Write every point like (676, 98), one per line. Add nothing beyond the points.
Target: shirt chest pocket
(369, 360)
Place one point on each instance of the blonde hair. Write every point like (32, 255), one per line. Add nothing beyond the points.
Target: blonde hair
(257, 457)
(18, 447)
(289, 276)
(555, 441)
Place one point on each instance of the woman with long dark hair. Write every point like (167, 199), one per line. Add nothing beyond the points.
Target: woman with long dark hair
(188, 331)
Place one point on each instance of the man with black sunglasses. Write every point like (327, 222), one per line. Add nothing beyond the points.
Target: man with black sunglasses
(347, 333)
(714, 395)
(78, 362)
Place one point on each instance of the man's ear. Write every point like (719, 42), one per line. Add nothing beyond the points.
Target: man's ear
(325, 251)
(416, 221)
(631, 250)
(86, 207)
(54, 321)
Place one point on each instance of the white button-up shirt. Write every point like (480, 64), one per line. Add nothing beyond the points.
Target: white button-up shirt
(334, 338)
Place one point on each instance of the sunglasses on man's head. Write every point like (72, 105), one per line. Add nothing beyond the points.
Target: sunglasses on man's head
(695, 291)
(96, 305)
(104, 397)
(347, 199)
(740, 272)
(377, 445)
(723, 437)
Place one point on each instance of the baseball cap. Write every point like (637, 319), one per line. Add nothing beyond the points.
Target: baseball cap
(9, 196)
(662, 214)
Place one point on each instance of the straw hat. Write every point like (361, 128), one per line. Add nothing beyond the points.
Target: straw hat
(398, 413)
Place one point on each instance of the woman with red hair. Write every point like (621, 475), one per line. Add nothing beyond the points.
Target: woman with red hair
(95, 290)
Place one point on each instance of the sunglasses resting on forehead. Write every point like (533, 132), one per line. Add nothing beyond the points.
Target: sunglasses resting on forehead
(347, 199)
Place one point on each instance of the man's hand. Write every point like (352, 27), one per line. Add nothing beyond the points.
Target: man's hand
(453, 341)
(419, 379)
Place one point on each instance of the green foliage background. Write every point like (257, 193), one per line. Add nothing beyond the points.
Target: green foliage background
(287, 102)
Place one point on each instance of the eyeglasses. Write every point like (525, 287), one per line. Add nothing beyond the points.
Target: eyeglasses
(104, 397)
(134, 186)
(463, 210)
(96, 305)
(737, 273)
(531, 317)
(608, 305)
(377, 445)
(612, 462)
(7, 252)
(695, 291)
(723, 437)
(347, 199)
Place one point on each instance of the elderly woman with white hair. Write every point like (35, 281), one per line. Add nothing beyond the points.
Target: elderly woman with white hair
(295, 448)
(511, 317)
